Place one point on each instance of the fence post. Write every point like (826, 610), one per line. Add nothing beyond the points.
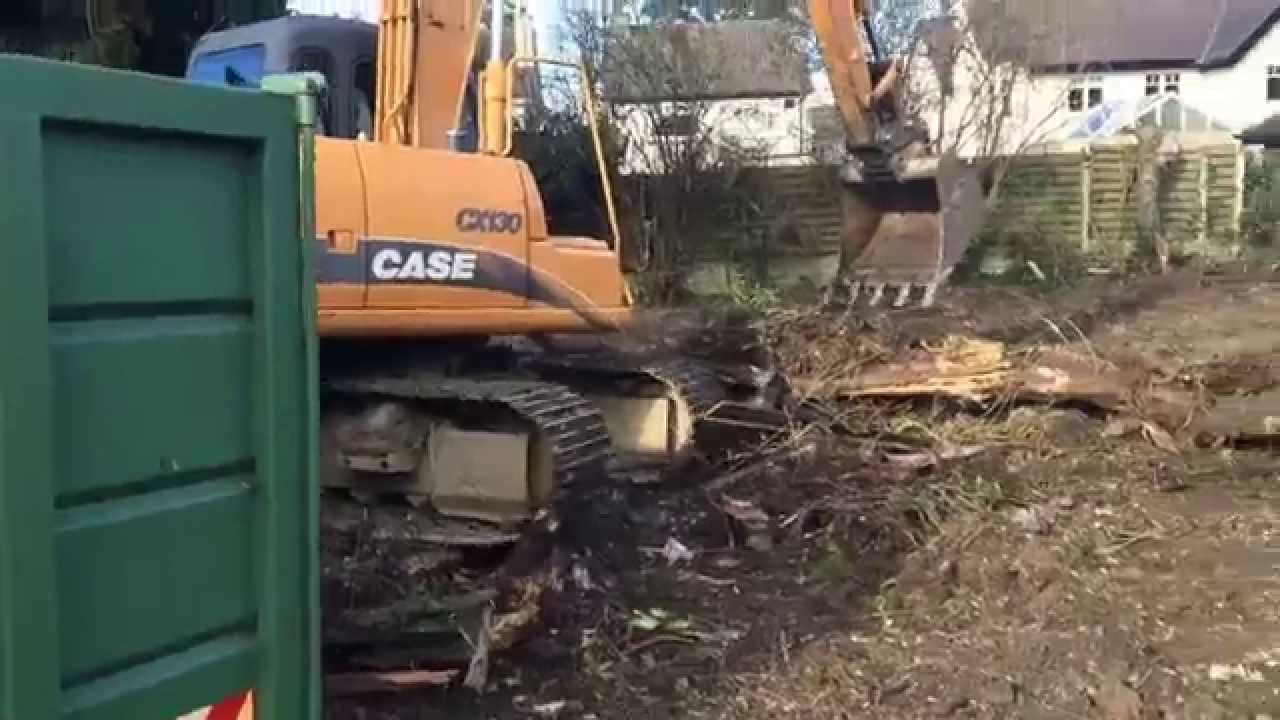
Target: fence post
(1237, 202)
(1204, 200)
(1086, 196)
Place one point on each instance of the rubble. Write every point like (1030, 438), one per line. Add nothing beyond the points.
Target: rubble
(1034, 520)
(982, 372)
(754, 526)
(1119, 702)
(941, 525)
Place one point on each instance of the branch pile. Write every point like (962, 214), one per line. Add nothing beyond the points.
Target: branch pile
(825, 360)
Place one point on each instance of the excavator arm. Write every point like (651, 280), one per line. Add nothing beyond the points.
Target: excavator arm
(849, 56)
(908, 214)
(426, 49)
(429, 51)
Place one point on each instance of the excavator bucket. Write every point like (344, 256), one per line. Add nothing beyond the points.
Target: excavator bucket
(904, 233)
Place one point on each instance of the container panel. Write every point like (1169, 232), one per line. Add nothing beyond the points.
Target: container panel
(161, 688)
(119, 385)
(158, 502)
(108, 561)
(115, 200)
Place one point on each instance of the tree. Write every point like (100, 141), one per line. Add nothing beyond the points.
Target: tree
(664, 87)
(1152, 185)
(975, 75)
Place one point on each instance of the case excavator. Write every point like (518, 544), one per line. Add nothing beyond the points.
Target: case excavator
(454, 412)
(909, 212)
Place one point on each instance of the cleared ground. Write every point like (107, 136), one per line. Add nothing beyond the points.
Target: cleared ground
(938, 559)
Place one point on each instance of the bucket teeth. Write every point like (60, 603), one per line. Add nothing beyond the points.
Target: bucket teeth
(876, 292)
(899, 294)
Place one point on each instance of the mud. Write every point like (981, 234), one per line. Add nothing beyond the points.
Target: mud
(1057, 567)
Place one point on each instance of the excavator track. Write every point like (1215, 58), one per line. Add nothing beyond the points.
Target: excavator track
(696, 384)
(416, 577)
(699, 385)
(572, 428)
(694, 390)
(417, 583)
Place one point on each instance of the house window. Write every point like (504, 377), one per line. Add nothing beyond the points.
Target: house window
(1273, 82)
(1084, 93)
(1168, 83)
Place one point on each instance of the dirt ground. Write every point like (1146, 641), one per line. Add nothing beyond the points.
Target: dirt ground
(1035, 562)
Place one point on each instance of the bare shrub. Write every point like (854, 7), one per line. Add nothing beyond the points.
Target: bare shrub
(685, 197)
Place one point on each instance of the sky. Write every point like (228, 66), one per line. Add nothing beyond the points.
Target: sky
(366, 10)
(547, 14)
(548, 21)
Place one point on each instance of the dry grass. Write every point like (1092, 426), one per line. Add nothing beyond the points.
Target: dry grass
(945, 558)
(813, 344)
(1019, 598)
(992, 614)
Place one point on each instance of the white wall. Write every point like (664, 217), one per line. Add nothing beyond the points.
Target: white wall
(1235, 97)
(1037, 110)
(1238, 96)
(767, 126)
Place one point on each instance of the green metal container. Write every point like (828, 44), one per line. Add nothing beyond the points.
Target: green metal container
(157, 398)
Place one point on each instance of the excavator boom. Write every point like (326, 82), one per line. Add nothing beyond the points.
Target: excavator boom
(908, 214)
(838, 25)
(425, 53)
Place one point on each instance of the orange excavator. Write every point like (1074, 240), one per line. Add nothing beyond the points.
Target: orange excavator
(454, 414)
(909, 212)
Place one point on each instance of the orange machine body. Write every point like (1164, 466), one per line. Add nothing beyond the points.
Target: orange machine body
(414, 237)
(419, 241)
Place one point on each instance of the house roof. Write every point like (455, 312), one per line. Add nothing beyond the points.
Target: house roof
(1265, 133)
(714, 61)
(1139, 34)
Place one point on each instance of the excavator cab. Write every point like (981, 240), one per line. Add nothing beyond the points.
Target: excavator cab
(548, 130)
(344, 51)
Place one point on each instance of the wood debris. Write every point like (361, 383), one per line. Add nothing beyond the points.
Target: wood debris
(376, 682)
(982, 371)
(752, 522)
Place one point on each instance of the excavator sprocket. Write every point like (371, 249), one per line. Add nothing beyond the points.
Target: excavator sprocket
(697, 395)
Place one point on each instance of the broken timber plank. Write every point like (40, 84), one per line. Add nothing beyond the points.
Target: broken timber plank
(377, 682)
(978, 371)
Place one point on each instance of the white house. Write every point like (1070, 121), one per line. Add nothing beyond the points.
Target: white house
(735, 83)
(1098, 65)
